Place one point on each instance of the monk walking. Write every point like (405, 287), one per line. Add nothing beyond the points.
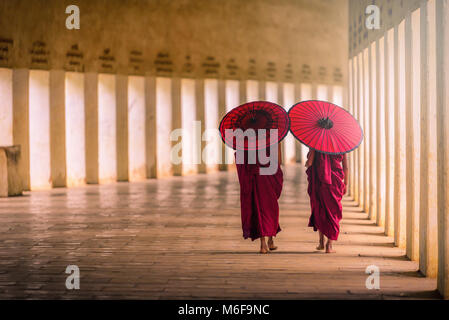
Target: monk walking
(259, 196)
(327, 184)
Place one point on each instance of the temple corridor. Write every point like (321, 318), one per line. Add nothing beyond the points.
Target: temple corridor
(180, 238)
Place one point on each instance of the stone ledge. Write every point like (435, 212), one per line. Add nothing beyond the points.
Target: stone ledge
(10, 183)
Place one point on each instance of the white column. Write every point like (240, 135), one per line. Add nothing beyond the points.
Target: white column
(39, 103)
(136, 128)
(373, 132)
(360, 116)
(337, 96)
(389, 131)
(232, 101)
(322, 92)
(271, 91)
(428, 234)
(252, 90)
(351, 110)
(6, 110)
(366, 125)
(289, 141)
(75, 145)
(188, 112)
(443, 150)
(305, 94)
(400, 117)
(355, 167)
(213, 141)
(413, 93)
(381, 138)
(91, 126)
(107, 139)
(163, 121)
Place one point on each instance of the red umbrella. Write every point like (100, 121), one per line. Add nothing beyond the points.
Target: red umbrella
(325, 127)
(255, 115)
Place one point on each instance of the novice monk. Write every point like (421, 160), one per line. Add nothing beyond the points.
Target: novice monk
(259, 196)
(327, 185)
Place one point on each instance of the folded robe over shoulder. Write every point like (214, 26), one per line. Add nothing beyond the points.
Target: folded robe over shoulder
(326, 188)
(259, 196)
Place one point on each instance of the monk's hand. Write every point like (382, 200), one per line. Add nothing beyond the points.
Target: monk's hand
(308, 164)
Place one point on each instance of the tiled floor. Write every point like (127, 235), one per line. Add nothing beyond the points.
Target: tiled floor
(181, 238)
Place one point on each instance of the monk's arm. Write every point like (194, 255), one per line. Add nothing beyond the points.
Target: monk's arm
(310, 158)
(279, 154)
(345, 169)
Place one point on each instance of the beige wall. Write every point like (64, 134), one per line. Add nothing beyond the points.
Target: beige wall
(287, 40)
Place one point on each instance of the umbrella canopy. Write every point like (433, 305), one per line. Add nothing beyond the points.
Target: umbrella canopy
(325, 127)
(255, 115)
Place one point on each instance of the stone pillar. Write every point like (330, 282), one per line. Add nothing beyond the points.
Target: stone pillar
(75, 142)
(164, 126)
(252, 90)
(189, 116)
(428, 235)
(352, 103)
(288, 100)
(360, 118)
(354, 182)
(381, 138)
(136, 129)
(351, 110)
(107, 135)
(58, 147)
(412, 94)
(150, 126)
(299, 147)
(262, 90)
(366, 126)
(199, 144)
(242, 92)
(212, 121)
(442, 22)
(122, 128)
(232, 101)
(373, 132)
(400, 119)
(21, 123)
(389, 131)
(177, 124)
(221, 113)
(6, 109)
(271, 92)
(39, 126)
(91, 126)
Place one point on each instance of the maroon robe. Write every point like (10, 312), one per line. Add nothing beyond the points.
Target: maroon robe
(326, 189)
(259, 196)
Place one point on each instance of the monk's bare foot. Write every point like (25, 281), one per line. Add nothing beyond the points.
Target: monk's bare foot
(320, 246)
(271, 245)
(329, 248)
(263, 246)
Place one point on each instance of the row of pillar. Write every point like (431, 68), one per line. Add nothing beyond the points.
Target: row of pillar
(78, 128)
(398, 91)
